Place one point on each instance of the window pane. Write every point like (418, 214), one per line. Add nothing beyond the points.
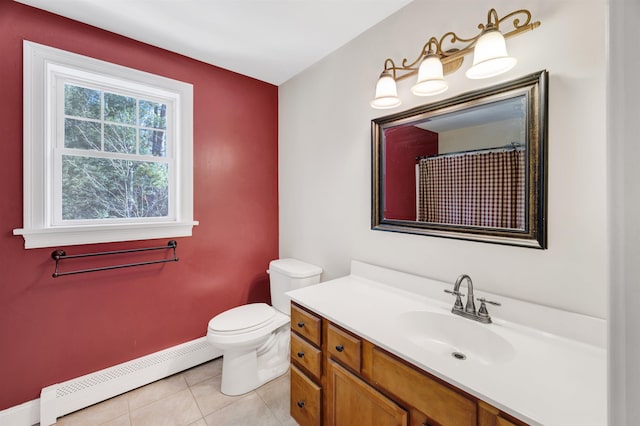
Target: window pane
(81, 102)
(153, 115)
(153, 142)
(119, 109)
(81, 134)
(100, 188)
(119, 139)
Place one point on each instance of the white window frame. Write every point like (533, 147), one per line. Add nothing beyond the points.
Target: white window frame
(44, 69)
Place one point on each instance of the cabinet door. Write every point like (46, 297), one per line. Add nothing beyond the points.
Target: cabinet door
(491, 416)
(351, 401)
(306, 399)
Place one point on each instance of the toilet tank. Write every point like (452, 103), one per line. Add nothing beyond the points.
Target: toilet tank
(290, 274)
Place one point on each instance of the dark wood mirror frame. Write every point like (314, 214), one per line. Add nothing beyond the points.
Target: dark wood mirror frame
(534, 233)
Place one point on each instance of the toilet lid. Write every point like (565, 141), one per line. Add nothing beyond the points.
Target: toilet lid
(242, 318)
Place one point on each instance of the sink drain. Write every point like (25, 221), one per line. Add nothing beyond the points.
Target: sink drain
(458, 355)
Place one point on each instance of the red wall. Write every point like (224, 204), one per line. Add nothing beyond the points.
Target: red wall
(402, 145)
(56, 329)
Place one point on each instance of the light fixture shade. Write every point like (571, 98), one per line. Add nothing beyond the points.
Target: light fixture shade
(490, 56)
(386, 92)
(430, 77)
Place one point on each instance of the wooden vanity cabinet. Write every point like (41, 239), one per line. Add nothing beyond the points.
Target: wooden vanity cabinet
(338, 378)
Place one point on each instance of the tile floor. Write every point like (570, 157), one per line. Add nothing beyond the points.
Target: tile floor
(190, 398)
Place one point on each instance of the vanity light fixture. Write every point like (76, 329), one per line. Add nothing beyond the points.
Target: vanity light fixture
(490, 58)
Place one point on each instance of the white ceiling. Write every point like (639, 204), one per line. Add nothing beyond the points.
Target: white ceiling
(270, 40)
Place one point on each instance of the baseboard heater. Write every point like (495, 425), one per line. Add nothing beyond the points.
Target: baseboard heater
(72, 395)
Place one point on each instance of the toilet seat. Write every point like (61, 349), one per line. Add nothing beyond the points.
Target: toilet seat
(242, 319)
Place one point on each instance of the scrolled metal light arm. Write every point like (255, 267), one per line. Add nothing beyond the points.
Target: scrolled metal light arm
(453, 56)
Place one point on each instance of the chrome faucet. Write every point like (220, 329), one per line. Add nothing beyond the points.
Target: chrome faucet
(469, 310)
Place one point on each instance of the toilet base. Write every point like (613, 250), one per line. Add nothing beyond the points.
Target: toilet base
(244, 371)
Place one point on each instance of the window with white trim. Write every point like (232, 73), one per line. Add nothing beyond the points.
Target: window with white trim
(108, 152)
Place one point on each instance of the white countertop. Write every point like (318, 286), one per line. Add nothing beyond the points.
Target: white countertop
(556, 377)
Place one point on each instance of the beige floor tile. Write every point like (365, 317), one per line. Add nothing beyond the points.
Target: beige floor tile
(247, 411)
(191, 398)
(276, 395)
(120, 421)
(208, 396)
(204, 371)
(155, 391)
(97, 414)
(179, 409)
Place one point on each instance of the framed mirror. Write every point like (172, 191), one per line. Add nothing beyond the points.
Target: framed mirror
(471, 167)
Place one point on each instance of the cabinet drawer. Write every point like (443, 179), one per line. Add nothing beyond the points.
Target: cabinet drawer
(305, 355)
(306, 324)
(344, 347)
(438, 402)
(305, 399)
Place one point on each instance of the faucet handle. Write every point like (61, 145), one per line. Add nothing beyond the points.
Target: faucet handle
(457, 306)
(482, 311)
(482, 300)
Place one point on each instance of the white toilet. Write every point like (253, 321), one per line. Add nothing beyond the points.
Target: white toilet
(254, 338)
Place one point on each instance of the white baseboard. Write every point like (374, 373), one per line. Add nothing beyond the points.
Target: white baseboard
(26, 414)
(75, 394)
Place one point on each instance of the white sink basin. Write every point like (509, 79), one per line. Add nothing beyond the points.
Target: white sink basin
(454, 337)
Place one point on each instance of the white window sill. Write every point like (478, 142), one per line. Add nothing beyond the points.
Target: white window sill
(69, 236)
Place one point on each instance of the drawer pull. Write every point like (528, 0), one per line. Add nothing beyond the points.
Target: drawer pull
(300, 354)
(300, 404)
(339, 348)
(300, 324)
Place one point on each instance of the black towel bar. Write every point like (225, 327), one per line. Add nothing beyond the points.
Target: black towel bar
(59, 255)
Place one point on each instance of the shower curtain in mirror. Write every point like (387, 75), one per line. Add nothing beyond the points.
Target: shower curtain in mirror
(484, 188)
